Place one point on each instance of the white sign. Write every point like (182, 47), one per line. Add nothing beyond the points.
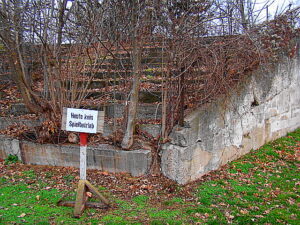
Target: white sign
(81, 120)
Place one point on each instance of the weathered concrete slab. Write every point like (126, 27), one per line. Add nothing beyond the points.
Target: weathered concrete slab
(264, 107)
(103, 157)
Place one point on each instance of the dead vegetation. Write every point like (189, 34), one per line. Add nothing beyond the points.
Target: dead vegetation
(180, 65)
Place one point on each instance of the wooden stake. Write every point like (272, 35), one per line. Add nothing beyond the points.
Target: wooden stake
(96, 192)
(81, 199)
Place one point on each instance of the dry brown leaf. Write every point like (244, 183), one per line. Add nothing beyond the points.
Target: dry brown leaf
(244, 211)
(22, 215)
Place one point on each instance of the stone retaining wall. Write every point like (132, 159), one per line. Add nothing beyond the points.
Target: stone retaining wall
(103, 157)
(264, 107)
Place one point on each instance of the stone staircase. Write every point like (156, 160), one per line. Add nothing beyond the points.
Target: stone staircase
(110, 77)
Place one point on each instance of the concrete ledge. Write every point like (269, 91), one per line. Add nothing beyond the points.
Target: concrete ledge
(103, 157)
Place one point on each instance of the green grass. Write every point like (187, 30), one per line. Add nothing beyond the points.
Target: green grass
(260, 188)
(29, 174)
(18, 200)
(174, 201)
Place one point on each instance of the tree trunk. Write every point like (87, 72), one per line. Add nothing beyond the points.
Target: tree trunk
(164, 133)
(134, 97)
(241, 6)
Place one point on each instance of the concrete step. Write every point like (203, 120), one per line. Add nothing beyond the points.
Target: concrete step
(145, 54)
(145, 111)
(151, 47)
(18, 109)
(98, 74)
(101, 83)
(111, 74)
(121, 66)
(144, 96)
(109, 66)
(127, 60)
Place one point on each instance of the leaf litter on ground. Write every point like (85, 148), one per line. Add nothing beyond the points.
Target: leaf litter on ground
(261, 187)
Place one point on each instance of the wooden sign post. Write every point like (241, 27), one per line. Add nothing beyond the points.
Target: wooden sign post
(83, 121)
(83, 147)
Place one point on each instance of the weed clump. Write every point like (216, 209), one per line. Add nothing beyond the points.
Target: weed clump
(11, 159)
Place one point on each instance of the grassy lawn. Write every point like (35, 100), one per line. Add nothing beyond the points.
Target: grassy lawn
(259, 188)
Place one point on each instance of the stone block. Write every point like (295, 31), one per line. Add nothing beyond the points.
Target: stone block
(170, 163)
(152, 129)
(184, 164)
(138, 162)
(228, 154)
(9, 146)
(199, 163)
(283, 104)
